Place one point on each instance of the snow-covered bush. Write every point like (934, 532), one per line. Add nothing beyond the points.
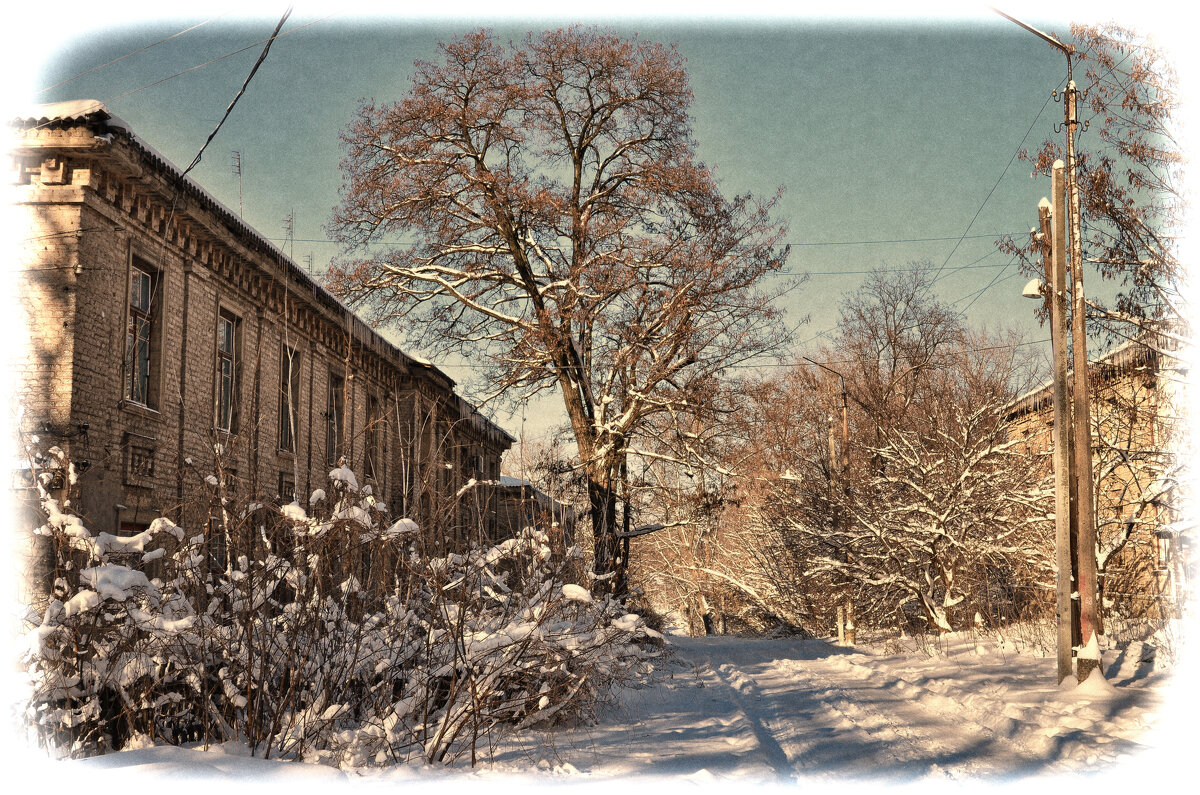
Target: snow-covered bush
(324, 634)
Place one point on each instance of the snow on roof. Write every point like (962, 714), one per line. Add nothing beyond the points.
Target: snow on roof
(505, 480)
(70, 110)
(1125, 354)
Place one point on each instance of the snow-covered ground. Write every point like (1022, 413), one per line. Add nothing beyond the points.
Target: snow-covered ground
(739, 711)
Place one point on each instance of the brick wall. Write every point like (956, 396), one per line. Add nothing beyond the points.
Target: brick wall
(97, 213)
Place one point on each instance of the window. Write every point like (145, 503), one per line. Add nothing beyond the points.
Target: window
(287, 488)
(227, 372)
(140, 338)
(218, 545)
(333, 418)
(374, 437)
(139, 466)
(289, 398)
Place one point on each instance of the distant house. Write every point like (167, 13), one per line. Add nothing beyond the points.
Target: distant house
(521, 504)
(1135, 428)
(172, 345)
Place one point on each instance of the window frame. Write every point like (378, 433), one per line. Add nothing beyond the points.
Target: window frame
(226, 372)
(335, 430)
(289, 399)
(373, 455)
(142, 359)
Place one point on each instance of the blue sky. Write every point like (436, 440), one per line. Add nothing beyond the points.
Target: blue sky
(894, 136)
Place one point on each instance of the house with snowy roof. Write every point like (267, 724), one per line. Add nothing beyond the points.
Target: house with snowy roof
(171, 345)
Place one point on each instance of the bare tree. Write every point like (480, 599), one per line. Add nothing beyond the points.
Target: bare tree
(1136, 426)
(919, 507)
(1130, 167)
(549, 214)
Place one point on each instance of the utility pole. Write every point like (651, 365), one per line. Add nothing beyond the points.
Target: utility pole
(1084, 517)
(1052, 238)
(845, 611)
(236, 155)
(1081, 413)
(289, 233)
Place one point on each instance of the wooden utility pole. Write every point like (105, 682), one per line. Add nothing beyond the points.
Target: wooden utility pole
(1084, 516)
(1053, 228)
(1081, 412)
(845, 611)
(843, 476)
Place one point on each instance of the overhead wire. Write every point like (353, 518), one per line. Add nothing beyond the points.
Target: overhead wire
(245, 85)
(1016, 153)
(126, 55)
(210, 62)
(942, 273)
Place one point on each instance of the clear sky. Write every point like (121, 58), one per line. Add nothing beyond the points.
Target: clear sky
(894, 136)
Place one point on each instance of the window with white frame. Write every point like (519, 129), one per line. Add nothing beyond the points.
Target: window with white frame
(140, 349)
(227, 372)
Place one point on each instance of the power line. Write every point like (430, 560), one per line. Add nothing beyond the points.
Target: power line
(970, 265)
(884, 270)
(101, 103)
(999, 179)
(468, 365)
(889, 242)
(979, 293)
(854, 361)
(245, 85)
(801, 244)
(126, 55)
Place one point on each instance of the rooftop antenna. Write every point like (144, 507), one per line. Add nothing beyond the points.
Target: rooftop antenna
(308, 261)
(289, 235)
(236, 155)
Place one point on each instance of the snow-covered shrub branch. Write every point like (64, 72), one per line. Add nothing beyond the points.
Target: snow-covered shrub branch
(324, 633)
(955, 520)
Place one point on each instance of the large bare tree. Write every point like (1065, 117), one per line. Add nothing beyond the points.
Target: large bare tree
(547, 214)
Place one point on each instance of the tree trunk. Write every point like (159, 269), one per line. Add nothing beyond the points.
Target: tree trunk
(602, 498)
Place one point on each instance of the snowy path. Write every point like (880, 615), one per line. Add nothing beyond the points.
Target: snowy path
(792, 710)
(781, 710)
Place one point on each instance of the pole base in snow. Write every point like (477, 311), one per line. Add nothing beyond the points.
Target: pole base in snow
(1084, 668)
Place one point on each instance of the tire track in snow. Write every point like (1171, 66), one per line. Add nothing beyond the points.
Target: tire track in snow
(843, 711)
(744, 695)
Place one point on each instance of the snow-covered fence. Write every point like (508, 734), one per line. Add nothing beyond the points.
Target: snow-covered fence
(323, 633)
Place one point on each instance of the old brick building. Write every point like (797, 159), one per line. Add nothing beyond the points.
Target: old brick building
(172, 345)
(1136, 426)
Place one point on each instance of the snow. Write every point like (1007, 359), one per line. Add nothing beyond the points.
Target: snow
(402, 527)
(114, 582)
(343, 475)
(738, 712)
(576, 593)
(293, 511)
(1090, 650)
(1095, 686)
(505, 480)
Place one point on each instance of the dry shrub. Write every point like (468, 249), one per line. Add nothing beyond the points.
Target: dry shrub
(325, 634)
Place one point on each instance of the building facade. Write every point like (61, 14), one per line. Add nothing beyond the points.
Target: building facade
(173, 347)
(1136, 427)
